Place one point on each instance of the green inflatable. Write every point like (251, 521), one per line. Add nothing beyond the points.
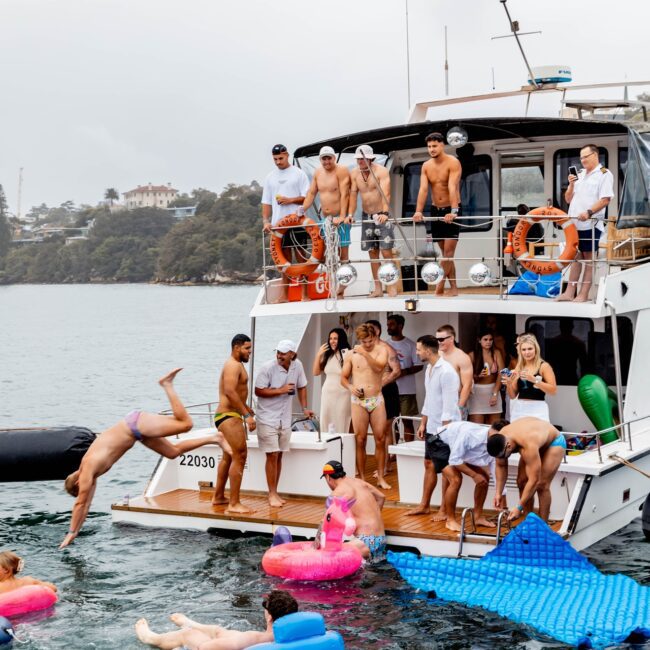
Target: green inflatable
(599, 403)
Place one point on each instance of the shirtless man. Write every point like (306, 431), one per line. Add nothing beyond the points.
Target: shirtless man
(369, 535)
(389, 388)
(365, 365)
(232, 417)
(195, 636)
(138, 426)
(332, 183)
(443, 174)
(377, 232)
(541, 450)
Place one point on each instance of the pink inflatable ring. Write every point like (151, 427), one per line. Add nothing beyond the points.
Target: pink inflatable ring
(23, 600)
(301, 561)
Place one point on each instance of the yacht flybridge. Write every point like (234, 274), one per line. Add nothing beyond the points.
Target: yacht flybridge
(509, 157)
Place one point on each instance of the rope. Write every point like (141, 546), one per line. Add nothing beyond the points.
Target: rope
(332, 261)
(628, 464)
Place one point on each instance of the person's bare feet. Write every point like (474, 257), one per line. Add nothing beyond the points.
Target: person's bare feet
(220, 439)
(238, 509)
(439, 516)
(581, 298)
(382, 484)
(376, 294)
(219, 501)
(392, 292)
(421, 510)
(482, 521)
(453, 525)
(452, 292)
(168, 379)
(564, 297)
(275, 501)
(143, 631)
(180, 619)
(440, 291)
(340, 292)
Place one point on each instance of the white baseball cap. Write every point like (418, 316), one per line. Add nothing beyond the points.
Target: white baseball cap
(364, 151)
(327, 151)
(286, 345)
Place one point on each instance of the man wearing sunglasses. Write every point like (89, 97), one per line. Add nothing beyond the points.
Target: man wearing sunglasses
(541, 448)
(588, 195)
(446, 337)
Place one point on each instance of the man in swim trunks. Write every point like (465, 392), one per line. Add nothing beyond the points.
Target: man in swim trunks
(232, 417)
(377, 231)
(369, 535)
(332, 184)
(365, 366)
(194, 636)
(442, 172)
(541, 449)
(138, 426)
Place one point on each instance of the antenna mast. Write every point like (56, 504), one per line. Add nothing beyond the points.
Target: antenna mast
(408, 59)
(20, 191)
(446, 66)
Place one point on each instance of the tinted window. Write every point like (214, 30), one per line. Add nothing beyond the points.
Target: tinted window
(563, 159)
(622, 166)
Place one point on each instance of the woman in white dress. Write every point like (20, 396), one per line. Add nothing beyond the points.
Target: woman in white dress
(530, 382)
(485, 405)
(334, 399)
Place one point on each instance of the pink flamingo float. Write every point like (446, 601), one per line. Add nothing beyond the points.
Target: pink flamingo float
(333, 560)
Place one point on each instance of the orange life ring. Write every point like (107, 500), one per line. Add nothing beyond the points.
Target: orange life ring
(534, 264)
(317, 245)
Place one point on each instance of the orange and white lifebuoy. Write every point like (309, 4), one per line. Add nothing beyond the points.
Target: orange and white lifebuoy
(533, 263)
(317, 245)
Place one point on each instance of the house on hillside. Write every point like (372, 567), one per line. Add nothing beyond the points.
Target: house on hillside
(150, 196)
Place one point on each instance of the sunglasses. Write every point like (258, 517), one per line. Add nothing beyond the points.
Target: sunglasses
(440, 339)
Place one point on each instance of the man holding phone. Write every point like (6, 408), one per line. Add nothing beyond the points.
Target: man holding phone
(277, 382)
(588, 195)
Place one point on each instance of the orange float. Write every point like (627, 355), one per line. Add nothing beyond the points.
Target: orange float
(299, 269)
(541, 266)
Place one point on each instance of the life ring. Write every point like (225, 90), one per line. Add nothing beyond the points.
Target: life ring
(30, 598)
(520, 248)
(317, 245)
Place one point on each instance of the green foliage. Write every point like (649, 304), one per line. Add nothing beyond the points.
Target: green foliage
(5, 230)
(111, 194)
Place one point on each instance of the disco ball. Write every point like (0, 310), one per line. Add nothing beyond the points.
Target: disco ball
(388, 273)
(346, 275)
(457, 137)
(432, 273)
(480, 274)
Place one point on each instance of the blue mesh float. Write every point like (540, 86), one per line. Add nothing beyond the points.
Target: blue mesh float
(302, 631)
(536, 577)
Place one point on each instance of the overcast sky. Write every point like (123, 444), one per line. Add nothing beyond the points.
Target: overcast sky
(117, 93)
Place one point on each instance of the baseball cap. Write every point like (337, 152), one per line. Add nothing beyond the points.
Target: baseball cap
(333, 469)
(364, 151)
(277, 149)
(286, 345)
(327, 151)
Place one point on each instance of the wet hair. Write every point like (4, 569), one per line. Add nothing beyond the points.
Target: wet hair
(364, 331)
(429, 341)
(496, 444)
(375, 323)
(478, 350)
(449, 329)
(343, 344)
(71, 484)
(398, 318)
(434, 137)
(497, 425)
(239, 339)
(280, 603)
(10, 561)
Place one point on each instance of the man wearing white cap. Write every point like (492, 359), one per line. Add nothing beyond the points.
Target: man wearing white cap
(275, 386)
(332, 183)
(372, 181)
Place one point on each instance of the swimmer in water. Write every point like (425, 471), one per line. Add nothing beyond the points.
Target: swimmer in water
(10, 565)
(138, 426)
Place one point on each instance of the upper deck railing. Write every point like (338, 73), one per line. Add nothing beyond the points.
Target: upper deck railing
(486, 261)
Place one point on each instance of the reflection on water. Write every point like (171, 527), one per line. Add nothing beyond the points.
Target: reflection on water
(87, 355)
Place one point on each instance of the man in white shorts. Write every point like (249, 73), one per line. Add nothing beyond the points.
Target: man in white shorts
(276, 383)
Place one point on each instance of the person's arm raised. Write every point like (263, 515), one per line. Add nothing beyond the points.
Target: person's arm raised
(376, 363)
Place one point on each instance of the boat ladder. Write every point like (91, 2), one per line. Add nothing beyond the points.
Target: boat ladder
(463, 528)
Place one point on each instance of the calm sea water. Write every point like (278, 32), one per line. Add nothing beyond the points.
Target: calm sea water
(85, 355)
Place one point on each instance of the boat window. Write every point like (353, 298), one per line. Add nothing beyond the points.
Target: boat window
(475, 192)
(563, 159)
(522, 181)
(622, 167)
(574, 349)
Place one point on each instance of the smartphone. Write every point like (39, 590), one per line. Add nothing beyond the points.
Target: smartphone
(573, 170)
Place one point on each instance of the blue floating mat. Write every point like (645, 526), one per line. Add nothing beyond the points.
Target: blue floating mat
(536, 577)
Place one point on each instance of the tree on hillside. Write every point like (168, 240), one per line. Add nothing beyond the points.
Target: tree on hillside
(5, 230)
(111, 194)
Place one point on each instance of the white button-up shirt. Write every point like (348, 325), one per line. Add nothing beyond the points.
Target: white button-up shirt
(276, 411)
(467, 442)
(442, 385)
(588, 189)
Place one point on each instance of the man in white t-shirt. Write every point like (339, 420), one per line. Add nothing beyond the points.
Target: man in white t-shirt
(276, 383)
(588, 194)
(410, 365)
(283, 193)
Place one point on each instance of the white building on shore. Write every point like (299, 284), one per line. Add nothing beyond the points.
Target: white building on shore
(150, 196)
